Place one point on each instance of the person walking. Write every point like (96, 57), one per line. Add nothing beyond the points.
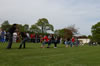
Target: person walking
(11, 31)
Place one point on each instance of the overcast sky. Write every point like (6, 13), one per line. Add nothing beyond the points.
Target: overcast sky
(60, 13)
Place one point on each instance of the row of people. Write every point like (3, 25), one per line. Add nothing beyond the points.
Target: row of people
(56, 40)
(34, 38)
(24, 36)
(49, 40)
(72, 42)
(45, 40)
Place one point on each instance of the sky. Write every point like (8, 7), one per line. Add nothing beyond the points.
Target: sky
(60, 13)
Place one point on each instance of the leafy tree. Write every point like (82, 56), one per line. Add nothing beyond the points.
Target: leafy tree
(35, 29)
(90, 37)
(44, 25)
(64, 33)
(96, 32)
(5, 25)
(26, 27)
(73, 29)
(21, 28)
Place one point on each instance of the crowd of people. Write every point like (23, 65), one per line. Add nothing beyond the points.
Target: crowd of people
(56, 40)
(2, 36)
(72, 42)
(15, 36)
(50, 39)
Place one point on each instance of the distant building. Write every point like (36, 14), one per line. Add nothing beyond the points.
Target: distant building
(83, 39)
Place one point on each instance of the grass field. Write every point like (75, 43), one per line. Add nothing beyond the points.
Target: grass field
(33, 55)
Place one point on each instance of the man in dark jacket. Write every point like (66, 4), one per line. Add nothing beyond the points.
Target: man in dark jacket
(11, 31)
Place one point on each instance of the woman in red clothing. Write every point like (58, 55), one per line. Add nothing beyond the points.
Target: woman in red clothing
(73, 41)
(45, 41)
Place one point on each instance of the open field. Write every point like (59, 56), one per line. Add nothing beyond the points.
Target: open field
(33, 55)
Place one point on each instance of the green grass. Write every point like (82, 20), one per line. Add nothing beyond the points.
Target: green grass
(33, 55)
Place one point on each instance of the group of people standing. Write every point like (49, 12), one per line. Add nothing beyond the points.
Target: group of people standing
(24, 37)
(50, 39)
(72, 42)
(56, 40)
(2, 35)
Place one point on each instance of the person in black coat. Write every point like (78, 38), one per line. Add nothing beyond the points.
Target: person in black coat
(11, 31)
(24, 39)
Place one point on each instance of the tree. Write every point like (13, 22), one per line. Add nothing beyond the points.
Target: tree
(73, 29)
(21, 28)
(44, 25)
(96, 32)
(64, 33)
(90, 37)
(5, 25)
(35, 29)
(26, 27)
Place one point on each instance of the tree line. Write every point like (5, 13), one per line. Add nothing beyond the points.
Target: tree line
(42, 26)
